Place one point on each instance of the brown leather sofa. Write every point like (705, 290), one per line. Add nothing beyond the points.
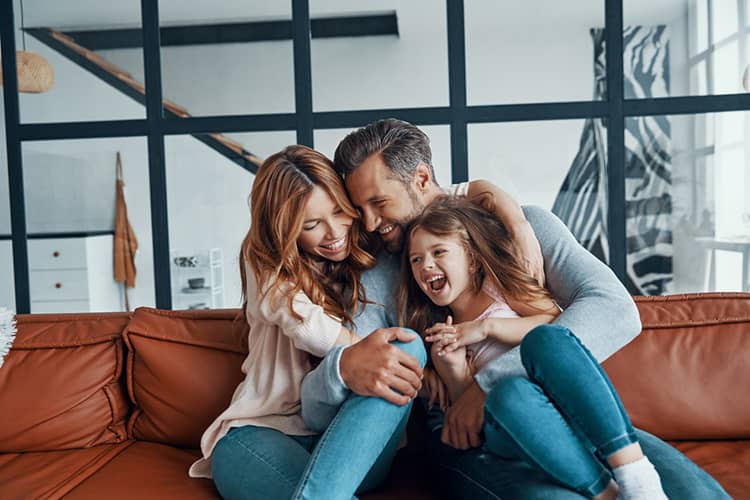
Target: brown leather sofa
(113, 405)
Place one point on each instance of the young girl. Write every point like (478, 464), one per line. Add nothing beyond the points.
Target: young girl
(464, 288)
(301, 264)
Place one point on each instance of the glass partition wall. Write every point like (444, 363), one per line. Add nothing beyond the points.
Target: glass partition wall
(626, 118)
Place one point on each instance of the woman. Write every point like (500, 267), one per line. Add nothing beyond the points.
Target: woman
(301, 266)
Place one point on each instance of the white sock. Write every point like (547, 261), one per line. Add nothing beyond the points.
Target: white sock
(639, 481)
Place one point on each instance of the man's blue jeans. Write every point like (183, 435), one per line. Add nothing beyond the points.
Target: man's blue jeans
(548, 436)
(353, 454)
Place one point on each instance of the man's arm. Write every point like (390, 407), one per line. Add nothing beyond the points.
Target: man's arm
(323, 391)
(509, 212)
(596, 307)
(372, 367)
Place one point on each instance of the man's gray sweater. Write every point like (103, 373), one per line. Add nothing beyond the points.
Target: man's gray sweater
(596, 307)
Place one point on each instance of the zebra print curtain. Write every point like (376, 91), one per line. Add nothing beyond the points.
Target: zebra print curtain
(582, 202)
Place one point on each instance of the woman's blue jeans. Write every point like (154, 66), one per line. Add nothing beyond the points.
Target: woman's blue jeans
(566, 418)
(354, 454)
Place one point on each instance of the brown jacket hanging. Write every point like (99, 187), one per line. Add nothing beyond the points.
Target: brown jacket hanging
(125, 242)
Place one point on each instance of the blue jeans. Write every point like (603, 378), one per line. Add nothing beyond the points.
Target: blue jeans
(566, 418)
(548, 436)
(354, 454)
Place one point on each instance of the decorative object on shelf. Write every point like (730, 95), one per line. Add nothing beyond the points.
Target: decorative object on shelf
(34, 72)
(196, 282)
(746, 78)
(198, 279)
(7, 332)
(125, 242)
(187, 261)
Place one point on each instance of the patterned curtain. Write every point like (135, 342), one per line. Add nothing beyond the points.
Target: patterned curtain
(582, 202)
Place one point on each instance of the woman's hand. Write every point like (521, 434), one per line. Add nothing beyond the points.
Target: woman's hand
(434, 389)
(448, 337)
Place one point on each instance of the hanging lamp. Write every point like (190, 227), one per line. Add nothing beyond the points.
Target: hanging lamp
(34, 72)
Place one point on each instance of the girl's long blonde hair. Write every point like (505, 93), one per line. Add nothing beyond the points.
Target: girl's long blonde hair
(280, 191)
(488, 245)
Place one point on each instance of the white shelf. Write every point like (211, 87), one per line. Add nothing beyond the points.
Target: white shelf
(207, 264)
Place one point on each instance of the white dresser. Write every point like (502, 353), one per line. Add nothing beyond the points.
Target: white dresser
(73, 275)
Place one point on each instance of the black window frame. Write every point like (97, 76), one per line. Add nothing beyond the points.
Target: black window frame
(304, 121)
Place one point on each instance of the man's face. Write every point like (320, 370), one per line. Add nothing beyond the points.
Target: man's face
(386, 204)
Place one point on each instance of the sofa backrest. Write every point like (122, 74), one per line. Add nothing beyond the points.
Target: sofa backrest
(182, 369)
(687, 376)
(61, 384)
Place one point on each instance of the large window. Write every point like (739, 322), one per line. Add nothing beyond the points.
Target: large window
(627, 118)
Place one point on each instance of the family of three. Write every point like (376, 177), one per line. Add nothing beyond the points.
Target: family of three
(367, 286)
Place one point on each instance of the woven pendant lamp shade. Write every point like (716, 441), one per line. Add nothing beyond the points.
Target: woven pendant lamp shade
(35, 74)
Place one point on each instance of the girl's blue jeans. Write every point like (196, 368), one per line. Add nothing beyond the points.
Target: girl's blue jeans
(565, 419)
(354, 454)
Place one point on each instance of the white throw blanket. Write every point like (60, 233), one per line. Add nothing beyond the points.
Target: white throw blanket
(7, 332)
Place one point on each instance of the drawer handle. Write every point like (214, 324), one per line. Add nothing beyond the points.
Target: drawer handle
(55, 253)
(58, 285)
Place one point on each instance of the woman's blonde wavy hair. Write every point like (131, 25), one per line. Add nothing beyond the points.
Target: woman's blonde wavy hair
(488, 245)
(280, 191)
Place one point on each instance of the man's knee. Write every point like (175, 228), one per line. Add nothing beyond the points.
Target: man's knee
(414, 348)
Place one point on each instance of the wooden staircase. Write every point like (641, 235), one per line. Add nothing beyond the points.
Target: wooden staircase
(125, 83)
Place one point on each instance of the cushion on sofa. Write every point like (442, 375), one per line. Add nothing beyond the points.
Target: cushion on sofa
(182, 369)
(726, 461)
(52, 474)
(146, 470)
(60, 385)
(690, 379)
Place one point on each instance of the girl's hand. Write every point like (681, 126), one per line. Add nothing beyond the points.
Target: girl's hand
(448, 337)
(434, 389)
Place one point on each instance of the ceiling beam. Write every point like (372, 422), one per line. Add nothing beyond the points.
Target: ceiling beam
(241, 32)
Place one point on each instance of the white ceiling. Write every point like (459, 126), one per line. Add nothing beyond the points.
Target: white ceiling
(76, 14)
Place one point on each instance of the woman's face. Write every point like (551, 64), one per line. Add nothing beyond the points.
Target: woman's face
(441, 266)
(326, 229)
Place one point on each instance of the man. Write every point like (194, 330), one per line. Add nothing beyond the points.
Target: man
(389, 176)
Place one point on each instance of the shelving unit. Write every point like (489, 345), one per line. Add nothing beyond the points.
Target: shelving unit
(187, 271)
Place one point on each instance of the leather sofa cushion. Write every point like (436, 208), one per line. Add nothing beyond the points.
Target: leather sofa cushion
(182, 369)
(60, 385)
(686, 376)
(726, 461)
(146, 470)
(52, 474)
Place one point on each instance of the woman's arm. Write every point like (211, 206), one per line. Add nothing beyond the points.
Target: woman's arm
(310, 329)
(509, 212)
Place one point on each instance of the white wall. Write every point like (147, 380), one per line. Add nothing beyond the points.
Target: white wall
(512, 57)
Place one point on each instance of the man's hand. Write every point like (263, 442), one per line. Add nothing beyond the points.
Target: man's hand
(463, 421)
(528, 249)
(374, 367)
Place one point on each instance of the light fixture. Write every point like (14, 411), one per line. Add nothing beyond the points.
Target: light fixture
(34, 72)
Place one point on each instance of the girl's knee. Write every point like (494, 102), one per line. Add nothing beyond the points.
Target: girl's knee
(542, 340)
(414, 348)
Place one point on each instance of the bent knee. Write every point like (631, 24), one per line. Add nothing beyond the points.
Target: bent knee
(414, 347)
(542, 340)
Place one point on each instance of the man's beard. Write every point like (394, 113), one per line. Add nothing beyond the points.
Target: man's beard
(417, 207)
